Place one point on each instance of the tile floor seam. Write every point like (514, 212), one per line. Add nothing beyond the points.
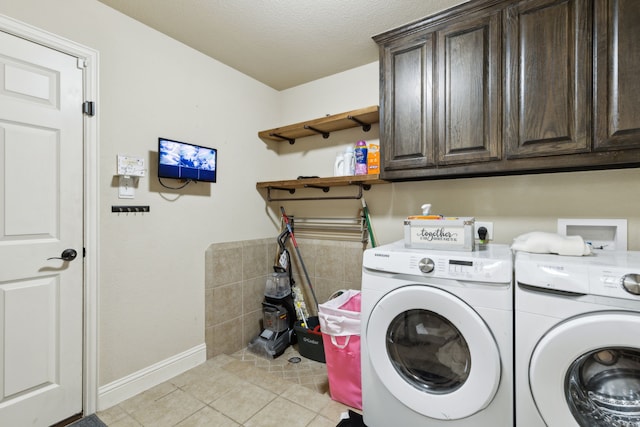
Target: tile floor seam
(129, 414)
(188, 416)
(125, 412)
(258, 411)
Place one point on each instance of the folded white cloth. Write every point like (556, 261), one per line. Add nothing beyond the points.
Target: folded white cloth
(540, 242)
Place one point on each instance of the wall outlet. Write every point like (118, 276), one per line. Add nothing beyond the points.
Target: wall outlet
(488, 226)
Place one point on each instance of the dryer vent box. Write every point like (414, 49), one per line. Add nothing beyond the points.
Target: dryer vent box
(605, 234)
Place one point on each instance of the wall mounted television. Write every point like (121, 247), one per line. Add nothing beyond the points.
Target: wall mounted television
(181, 160)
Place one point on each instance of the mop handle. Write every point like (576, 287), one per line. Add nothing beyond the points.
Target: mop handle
(295, 245)
(367, 218)
(289, 229)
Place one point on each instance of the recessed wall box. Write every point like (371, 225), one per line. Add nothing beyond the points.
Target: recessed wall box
(605, 234)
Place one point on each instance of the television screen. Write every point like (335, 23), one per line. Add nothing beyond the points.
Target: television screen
(186, 161)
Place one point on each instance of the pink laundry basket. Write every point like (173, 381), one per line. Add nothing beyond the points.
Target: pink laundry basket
(340, 326)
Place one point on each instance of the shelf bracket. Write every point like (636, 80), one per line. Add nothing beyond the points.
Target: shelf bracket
(357, 196)
(291, 140)
(321, 187)
(290, 190)
(365, 126)
(324, 134)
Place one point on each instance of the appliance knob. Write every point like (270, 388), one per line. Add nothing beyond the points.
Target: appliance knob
(426, 265)
(631, 283)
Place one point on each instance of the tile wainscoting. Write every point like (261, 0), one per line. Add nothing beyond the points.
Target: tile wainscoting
(235, 278)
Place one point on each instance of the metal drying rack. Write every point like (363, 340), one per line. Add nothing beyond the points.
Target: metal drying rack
(353, 229)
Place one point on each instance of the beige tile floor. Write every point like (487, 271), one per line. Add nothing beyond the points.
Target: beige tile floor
(236, 390)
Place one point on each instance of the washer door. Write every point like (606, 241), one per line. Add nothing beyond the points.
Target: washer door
(586, 371)
(433, 352)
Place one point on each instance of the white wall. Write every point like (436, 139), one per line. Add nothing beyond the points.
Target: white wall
(516, 204)
(151, 286)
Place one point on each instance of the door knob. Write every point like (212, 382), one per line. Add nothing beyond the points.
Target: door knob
(67, 255)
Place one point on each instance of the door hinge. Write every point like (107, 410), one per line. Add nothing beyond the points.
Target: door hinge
(84, 252)
(89, 108)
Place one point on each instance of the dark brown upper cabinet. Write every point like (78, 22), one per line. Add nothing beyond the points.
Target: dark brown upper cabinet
(547, 78)
(511, 86)
(617, 70)
(440, 95)
(468, 113)
(408, 101)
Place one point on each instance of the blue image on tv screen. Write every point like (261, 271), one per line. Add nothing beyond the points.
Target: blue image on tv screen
(186, 161)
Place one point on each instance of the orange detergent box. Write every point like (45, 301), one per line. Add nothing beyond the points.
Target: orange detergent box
(373, 158)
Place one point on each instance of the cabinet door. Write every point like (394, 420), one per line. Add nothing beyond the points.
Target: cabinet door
(469, 91)
(547, 76)
(617, 85)
(406, 116)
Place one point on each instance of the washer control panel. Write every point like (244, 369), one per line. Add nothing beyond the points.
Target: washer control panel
(606, 273)
(615, 282)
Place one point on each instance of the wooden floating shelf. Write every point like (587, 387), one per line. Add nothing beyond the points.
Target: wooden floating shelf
(363, 117)
(334, 181)
(363, 182)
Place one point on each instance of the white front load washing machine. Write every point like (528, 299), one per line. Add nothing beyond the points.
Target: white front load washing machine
(577, 323)
(437, 337)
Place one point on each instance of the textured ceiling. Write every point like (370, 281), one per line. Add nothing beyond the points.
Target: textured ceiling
(282, 43)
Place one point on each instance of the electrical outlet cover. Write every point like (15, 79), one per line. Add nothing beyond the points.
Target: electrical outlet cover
(486, 224)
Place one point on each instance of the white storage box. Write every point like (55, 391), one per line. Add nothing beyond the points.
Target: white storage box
(447, 234)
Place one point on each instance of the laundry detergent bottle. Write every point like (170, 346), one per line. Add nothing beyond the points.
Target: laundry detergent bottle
(361, 158)
(349, 162)
(338, 166)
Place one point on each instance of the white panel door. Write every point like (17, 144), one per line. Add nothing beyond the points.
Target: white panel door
(41, 215)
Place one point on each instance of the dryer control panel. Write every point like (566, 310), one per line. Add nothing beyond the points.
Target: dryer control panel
(492, 265)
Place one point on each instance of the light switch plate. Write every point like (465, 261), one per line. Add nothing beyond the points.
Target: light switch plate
(126, 189)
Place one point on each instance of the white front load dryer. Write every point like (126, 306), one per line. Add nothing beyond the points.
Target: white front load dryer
(437, 337)
(577, 341)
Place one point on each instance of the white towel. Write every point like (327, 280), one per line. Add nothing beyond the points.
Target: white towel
(540, 242)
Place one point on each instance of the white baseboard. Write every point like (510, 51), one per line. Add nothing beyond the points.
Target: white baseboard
(120, 390)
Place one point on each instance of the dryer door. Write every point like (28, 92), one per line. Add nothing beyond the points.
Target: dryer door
(433, 352)
(586, 371)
